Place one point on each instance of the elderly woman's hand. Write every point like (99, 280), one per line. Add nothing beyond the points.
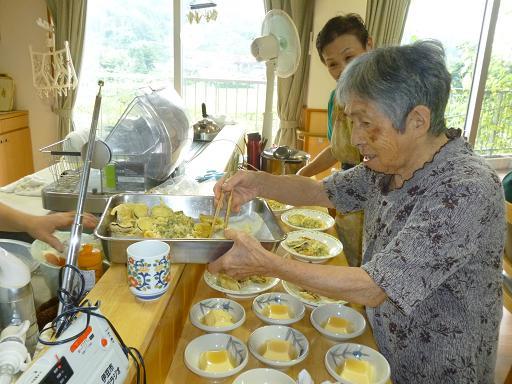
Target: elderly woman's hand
(244, 186)
(43, 227)
(246, 258)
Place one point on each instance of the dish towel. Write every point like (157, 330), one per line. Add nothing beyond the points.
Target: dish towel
(30, 185)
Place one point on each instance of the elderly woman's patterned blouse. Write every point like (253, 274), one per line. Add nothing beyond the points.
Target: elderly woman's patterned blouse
(435, 247)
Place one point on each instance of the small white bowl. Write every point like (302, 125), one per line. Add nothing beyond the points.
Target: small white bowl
(264, 376)
(334, 246)
(211, 342)
(295, 307)
(258, 338)
(337, 354)
(201, 308)
(321, 314)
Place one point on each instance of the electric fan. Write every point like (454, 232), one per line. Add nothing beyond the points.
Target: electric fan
(279, 47)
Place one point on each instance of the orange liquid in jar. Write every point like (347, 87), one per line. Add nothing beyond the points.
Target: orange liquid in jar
(89, 259)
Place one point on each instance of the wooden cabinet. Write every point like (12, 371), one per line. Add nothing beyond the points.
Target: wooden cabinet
(313, 139)
(16, 158)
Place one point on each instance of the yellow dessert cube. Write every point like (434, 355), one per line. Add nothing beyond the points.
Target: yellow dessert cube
(279, 350)
(277, 311)
(215, 361)
(337, 325)
(356, 371)
(218, 318)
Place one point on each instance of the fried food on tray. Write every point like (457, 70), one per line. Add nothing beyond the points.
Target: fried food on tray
(136, 219)
(308, 247)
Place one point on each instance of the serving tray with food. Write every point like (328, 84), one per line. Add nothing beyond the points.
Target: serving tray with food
(185, 222)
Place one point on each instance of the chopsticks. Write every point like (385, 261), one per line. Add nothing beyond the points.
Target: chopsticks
(228, 210)
(217, 211)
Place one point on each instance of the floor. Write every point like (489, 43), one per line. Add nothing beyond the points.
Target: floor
(504, 363)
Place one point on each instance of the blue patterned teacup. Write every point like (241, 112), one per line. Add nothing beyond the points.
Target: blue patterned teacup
(148, 269)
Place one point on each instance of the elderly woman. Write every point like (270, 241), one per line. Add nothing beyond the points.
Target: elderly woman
(434, 222)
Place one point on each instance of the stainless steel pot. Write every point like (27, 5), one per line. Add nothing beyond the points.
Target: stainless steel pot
(283, 160)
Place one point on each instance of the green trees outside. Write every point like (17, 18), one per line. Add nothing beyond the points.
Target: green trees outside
(494, 135)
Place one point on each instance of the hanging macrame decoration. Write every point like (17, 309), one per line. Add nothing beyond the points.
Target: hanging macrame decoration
(53, 73)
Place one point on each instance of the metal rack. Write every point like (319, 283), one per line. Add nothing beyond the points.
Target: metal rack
(65, 166)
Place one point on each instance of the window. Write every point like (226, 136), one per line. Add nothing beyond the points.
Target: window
(218, 68)
(129, 45)
(460, 33)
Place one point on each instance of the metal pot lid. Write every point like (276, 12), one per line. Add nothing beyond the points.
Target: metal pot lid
(286, 154)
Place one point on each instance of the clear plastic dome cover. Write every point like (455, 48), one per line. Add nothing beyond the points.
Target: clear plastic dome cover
(153, 134)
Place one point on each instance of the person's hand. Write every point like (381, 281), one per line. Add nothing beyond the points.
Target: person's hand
(43, 227)
(245, 258)
(245, 187)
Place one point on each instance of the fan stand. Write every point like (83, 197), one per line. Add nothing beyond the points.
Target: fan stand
(269, 100)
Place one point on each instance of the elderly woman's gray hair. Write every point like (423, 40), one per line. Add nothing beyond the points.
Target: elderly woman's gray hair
(399, 78)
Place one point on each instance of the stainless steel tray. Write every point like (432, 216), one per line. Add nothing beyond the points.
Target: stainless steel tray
(197, 251)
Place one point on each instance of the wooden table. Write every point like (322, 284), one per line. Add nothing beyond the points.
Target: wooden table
(314, 362)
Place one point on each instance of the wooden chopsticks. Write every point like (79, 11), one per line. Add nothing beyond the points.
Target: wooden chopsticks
(217, 211)
(228, 210)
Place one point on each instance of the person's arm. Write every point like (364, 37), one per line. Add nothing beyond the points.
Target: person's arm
(40, 227)
(324, 160)
(247, 257)
(247, 185)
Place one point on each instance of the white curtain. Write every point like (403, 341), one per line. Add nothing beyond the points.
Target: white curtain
(385, 20)
(69, 20)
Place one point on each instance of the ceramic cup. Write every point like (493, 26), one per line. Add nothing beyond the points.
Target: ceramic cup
(148, 269)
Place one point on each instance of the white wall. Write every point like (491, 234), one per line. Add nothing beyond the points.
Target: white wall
(320, 82)
(18, 30)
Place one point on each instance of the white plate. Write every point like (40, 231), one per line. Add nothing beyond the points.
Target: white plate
(249, 290)
(293, 290)
(333, 244)
(38, 246)
(326, 219)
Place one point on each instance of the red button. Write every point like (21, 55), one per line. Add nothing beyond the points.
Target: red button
(104, 342)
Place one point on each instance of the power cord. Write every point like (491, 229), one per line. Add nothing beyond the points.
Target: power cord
(73, 305)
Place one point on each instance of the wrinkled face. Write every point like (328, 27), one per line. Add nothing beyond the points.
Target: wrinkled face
(384, 148)
(340, 52)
